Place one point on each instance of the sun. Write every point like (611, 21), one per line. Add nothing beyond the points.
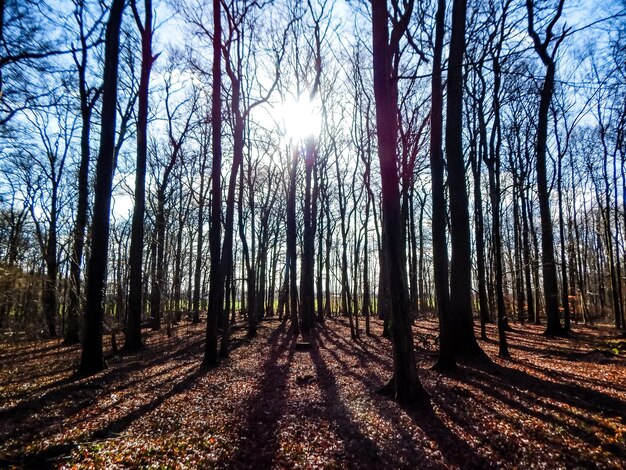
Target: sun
(300, 118)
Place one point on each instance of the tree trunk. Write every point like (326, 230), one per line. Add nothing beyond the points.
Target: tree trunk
(461, 258)
(307, 298)
(291, 244)
(197, 271)
(216, 288)
(550, 285)
(135, 302)
(92, 358)
(446, 359)
(405, 385)
(78, 242)
(50, 298)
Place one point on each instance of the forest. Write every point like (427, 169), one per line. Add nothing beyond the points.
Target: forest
(313, 234)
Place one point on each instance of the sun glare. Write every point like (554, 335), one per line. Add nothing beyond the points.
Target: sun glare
(300, 118)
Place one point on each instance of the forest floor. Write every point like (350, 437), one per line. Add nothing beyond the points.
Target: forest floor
(558, 403)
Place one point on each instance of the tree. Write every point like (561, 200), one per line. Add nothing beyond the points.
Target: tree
(44, 182)
(92, 358)
(307, 299)
(88, 99)
(135, 298)
(404, 386)
(446, 359)
(547, 53)
(27, 43)
(216, 278)
(240, 36)
(461, 257)
(175, 139)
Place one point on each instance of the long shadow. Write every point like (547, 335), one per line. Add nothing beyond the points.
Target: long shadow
(572, 354)
(356, 444)
(570, 393)
(68, 401)
(572, 378)
(58, 391)
(360, 371)
(39, 357)
(259, 434)
(524, 403)
(358, 346)
(17, 352)
(68, 396)
(31, 377)
(454, 449)
(369, 455)
(47, 457)
(567, 351)
(527, 390)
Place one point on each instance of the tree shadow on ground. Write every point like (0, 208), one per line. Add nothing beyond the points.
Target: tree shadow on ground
(341, 347)
(55, 393)
(47, 458)
(454, 449)
(258, 437)
(19, 350)
(364, 452)
(575, 410)
(39, 413)
(357, 447)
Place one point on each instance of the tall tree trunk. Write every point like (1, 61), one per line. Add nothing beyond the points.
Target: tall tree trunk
(291, 244)
(495, 197)
(530, 305)
(307, 297)
(135, 301)
(550, 285)
(423, 304)
(564, 279)
(50, 296)
(248, 264)
(446, 359)
(87, 104)
(229, 221)
(535, 262)
(384, 300)
(320, 256)
(328, 248)
(197, 271)
(183, 213)
(216, 288)
(461, 257)
(483, 301)
(92, 358)
(158, 284)
(366, 270)
(404, 385)
(518, 264)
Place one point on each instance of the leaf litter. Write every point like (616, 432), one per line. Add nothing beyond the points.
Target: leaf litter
(558, 403)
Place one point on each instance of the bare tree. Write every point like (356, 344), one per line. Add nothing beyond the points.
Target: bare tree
(88, 98)
(45, 183)
(135, 297)
(404, 385)
(446, 359)
(92, 358)
(216, 280)
(546, 49)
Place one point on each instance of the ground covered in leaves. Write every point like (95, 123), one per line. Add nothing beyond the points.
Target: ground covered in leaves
(558, 403)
